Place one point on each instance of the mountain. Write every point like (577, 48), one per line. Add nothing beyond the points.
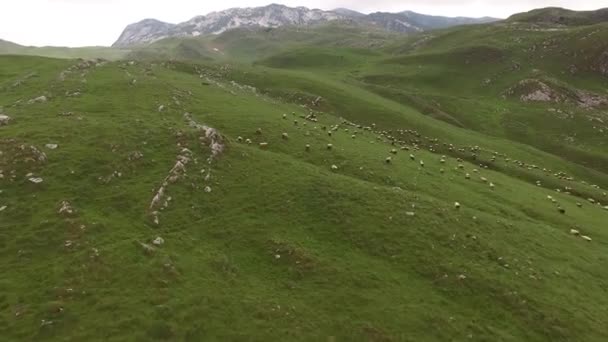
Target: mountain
(150, 30)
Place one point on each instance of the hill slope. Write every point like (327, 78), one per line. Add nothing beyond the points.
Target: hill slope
(332, 183)
(134, 217)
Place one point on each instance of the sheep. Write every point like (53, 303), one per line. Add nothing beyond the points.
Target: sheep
(492, 186)
(460, 166)
(263, 145)
(239, 139)
(389, 160)
(334, 167)
(578, 204)
(421, 163)
(441, 171)
(284, 116)
(467, 176)
(329, 147)
(393, 151)
(258, 131)
(248, 141)
(285, 136)
(561, 210)
(353, 136)
(307, 147)
(412, 157)
(442, 161)
(575, 232)
(329, 133)
(484, 179)
(295, 122)
(585, 237)
(457, 205)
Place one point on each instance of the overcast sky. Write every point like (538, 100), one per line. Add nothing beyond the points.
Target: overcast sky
(100, 22)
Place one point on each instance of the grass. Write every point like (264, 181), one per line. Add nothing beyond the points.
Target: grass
(284, 247)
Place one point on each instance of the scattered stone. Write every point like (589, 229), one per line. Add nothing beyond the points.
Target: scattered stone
(159, 241)
(4, 119)
(39, 99)
(66, 208)
(147, 248)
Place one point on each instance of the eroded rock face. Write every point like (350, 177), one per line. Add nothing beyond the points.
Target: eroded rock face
(533, 90)
(603, 63)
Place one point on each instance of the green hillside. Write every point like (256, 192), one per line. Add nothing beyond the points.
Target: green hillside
(9, 48)
(331, 183)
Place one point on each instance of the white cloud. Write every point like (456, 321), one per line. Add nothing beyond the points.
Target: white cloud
(100, 22)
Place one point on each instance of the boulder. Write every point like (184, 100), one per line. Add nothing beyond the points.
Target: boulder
(4, 119)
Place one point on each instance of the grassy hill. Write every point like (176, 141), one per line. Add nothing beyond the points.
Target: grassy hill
(309, 185)
(9, 48)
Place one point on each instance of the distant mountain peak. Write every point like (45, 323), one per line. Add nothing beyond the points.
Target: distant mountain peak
(276, 15)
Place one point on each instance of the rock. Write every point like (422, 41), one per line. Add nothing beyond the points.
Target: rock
(51, 146)
(36, 180)
(39, 99)
(586, 238)
(159, 241)
(66, 208)
(147, 248)
(4, 119)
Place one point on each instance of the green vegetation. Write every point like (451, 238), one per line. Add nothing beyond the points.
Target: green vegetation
(281, 242)
(8, 48)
